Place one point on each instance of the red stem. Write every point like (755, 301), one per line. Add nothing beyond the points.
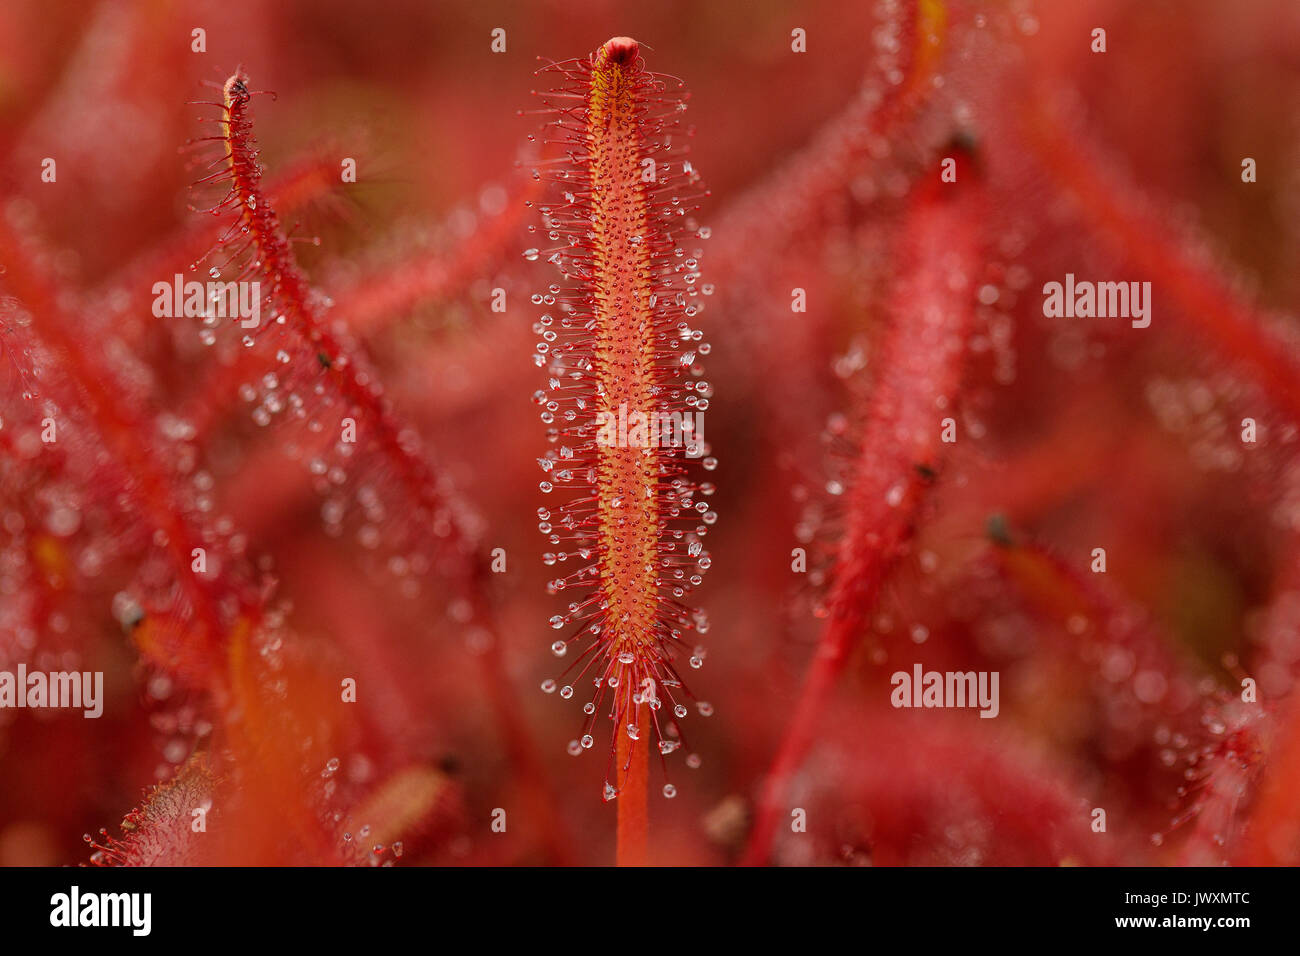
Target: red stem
(633, 800)
(919, 372)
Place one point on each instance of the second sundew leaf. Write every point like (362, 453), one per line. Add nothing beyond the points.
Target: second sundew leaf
(625, 402)
(920, 364)
(354, 443)
(161, 831)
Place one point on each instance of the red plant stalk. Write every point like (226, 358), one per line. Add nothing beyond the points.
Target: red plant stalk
(186, 637)
(376, 300)
(159, 832)
(1273, 835)
(369, 306)
(633, 806)
(439, 519)
(812, 194)
(889, 775)
(1216, 742)
(804, 189)
(621, 353)
(302, 186)
(271, 257)
(202, 635)
(921, 358)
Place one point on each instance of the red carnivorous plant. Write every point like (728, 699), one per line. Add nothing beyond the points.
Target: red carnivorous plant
(997, 581)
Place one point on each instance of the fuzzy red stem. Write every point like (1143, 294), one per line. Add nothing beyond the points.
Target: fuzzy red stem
(291, 291)
(920, 370)
(633, 800)
(123, 434)
(620, 351)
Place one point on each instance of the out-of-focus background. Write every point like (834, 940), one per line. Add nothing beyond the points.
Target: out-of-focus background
(1076, 434)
